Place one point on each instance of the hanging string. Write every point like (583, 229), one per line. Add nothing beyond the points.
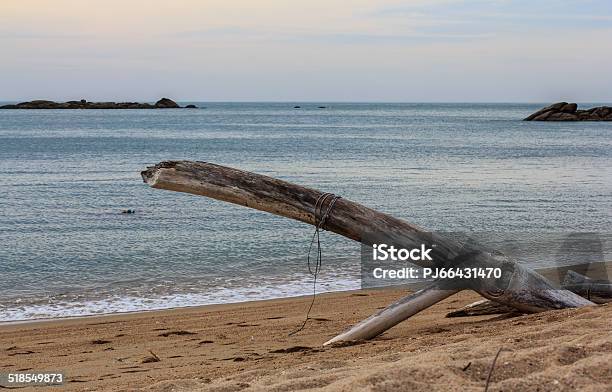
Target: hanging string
(319, 221)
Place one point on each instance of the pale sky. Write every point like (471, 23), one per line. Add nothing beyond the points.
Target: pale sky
(315, 50)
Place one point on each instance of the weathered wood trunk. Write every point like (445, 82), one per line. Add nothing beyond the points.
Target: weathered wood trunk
(519, 287)
(481, 308)
(596, 291)
(395, 313)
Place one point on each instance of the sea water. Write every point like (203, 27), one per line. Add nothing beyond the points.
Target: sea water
(65, 177)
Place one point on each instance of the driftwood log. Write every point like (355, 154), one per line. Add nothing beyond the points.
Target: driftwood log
(481, 308)
(519, 287)
(596, 291)
(395, 313)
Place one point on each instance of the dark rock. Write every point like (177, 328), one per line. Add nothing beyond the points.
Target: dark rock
(39, 104)
(569, 108)
(561, 116)
(191, 107)
(539, 113)
(166, 103)
(83, 104)
(544, 116)
(602, 111)
(563, 111)
(297, 107)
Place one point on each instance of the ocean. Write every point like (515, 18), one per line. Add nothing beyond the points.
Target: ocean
(66, 249)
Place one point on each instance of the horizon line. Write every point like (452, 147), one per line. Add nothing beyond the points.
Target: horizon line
(310, 101)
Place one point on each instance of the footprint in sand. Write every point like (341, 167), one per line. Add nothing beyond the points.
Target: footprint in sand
(294, 349)
(100, 341)
(26, 352)
(178, 333)
(235, 359)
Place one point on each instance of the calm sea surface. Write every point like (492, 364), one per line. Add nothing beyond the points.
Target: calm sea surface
(65, 176)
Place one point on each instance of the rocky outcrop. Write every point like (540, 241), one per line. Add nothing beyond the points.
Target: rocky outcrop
(563, 111)
(164, 103)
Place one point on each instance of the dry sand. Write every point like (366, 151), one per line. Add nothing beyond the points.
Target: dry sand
(246, 347)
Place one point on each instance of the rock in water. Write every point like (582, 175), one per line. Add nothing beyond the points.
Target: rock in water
(163, 103)
(39, 104)
(563, 111)
(543, 113)
(166, 103)
(569, 108)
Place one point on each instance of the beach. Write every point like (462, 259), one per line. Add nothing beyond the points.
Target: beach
(245, 346)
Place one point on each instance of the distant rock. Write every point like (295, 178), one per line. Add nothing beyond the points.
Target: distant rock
(569, 108)
(163, 103)
(166, 103)
(37, 104)
(563, 111)
(191, 107)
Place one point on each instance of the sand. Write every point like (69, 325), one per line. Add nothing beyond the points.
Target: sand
(246, 347)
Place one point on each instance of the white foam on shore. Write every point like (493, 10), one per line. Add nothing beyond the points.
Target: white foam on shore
(125, 304)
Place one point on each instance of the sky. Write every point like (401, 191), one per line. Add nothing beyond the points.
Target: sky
(329, 50)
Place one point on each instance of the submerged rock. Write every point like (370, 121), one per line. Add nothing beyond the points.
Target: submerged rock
(164, 103)
(563, 111)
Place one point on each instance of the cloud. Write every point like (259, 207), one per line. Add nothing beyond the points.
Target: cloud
(419, 22)
(509, 16)
(322, 49)
(33, 34)
(330, 38)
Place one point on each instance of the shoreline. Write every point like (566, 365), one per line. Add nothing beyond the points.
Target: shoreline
(598, 270)
(175, 308)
